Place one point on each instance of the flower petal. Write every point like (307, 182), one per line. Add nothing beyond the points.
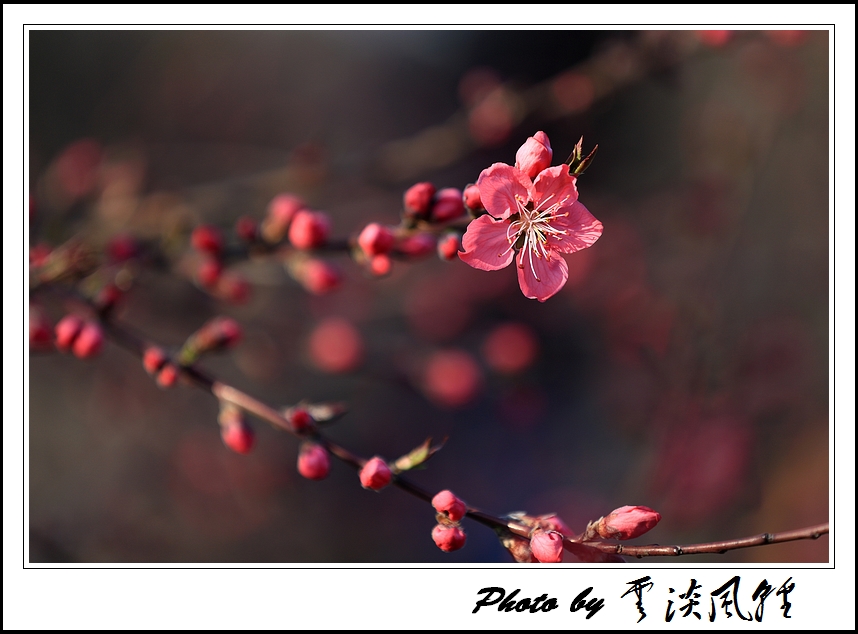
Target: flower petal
(550, 274)
(499, 185)
(554, 186)
(582, 229)
(486, 244)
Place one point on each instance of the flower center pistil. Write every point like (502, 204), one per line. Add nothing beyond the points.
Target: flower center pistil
(530, 229)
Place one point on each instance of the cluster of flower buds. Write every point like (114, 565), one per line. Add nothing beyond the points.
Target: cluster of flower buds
(423, 202)
(448, 534)
(158, 364)
(375, 474)
(313, 461)
(288, 216)
(236, 433)
(376, 242)
(84, 338)
(211, 276)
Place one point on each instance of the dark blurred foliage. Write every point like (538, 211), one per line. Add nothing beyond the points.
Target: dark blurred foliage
(684, 366)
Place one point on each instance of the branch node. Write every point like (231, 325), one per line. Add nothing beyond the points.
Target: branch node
(677, 551)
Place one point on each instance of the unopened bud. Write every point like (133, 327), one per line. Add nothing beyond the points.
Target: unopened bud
(375, 474)
(238, 435)
(154, 359)
(313, 461)
(281, 211)
(299, 418)
(220, 332)
(318, 276)
(447, 502)
(121, 248)
(448, 246)
(535, 155)
(472, 197)
(547, 546)
(89, 341)
(107, 297)
(448, 205)
(448, 538)
(168, 376)
(209, 272)
(380, 265)
(418, 200)
(67, 330)
(41, 330)
(627, 522)
(246, 229)
(416, 246)
(309, 229)
(375, 239)
(207, 239)
(233, 288)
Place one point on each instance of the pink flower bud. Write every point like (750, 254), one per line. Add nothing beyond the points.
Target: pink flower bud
(627, 522)
(418, 200)
(121, 248)
(238, 436)
(209, 272)
(309, 229)
(313, 461)
(375, 239)
(448, 205)
(233, 288)
(535, 155)
(246, 229)
(448, 538)
(375, 474)
(108, 297)
(318, 276)
(67, 330)
(41, 330)
(154, 359)
(547, 546)
(380, 265)
(39, 254)
(167, 376)
(447, 502)
(281, 211)
(299, 418)
(207, 239)
(89, 341)
(472, 197)
(448, 246)
(416, 246)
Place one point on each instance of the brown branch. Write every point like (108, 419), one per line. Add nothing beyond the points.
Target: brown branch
(229, 394)
(654, 550)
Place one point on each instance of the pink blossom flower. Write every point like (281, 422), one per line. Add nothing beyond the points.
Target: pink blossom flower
(533, 221)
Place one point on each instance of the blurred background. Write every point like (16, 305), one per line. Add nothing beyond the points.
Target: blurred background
(684, 366)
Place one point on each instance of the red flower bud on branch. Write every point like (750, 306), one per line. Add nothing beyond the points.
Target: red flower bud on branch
(376, 239)
(207, 239)
(448, 205)
(67, 330)
(375, 474)
(418, 200)
(89, 341)
(448, 538)
(313, 461)
(627, 522)
(309, 229)
(447, 502)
